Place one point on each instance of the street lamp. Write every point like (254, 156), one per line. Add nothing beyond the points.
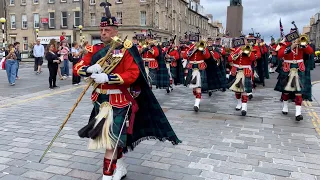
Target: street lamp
(37, 33)
(2, 21)
(81, 38)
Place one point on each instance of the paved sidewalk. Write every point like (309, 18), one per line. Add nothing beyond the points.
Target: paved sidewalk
(217, 142)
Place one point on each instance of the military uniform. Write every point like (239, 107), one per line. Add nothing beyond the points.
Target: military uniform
(241, 77)
(150, 55)
(172, 57)
(273, 56)
(123, 103)
(292, 75)
(197, 77)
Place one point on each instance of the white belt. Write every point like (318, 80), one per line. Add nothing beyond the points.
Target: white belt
(293, 61)
(148, 59)
(196, 62)
(109, 91)
(242, 66)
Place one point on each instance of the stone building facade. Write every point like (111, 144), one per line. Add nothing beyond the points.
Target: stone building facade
(50, 17)
(165, 18)
(314, 33)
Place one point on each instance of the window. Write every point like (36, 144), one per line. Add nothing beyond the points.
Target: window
(51, 1)
(25, 44)
(13, 21)
(24, 22)
(76, 18)
(174, 24)
(64, 19)
(166, 3)
(119, 1)
(157, 19)
(23, 2)
(93, 19)
(35, 1)
(92, 2)
(51, 20)
(119, 17)
(143, 18)
(36, 20)
(179, 26)
(11, 2)
(63, 1)
(146, 1)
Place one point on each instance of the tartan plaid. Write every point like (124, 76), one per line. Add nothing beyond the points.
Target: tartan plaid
(204, 79)
(266, 65)
(260, 71)
(162, 80)
(118, 119)
(247, 83)
(215, 79)
(274, 61)
(309, 64)
(150, 120)
(180, 72)
(222, 67)
(284, 75)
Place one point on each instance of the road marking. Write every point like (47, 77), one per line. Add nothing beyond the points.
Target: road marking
(40, 97)
(315, 82)
(313, 115)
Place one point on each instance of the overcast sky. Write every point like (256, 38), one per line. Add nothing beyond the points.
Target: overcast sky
(263, 15)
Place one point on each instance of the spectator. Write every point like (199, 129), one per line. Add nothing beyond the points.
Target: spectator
(38, 53)
(76, 56)
(18, 54)
(56, 45)
(11, 64)
(53, 62)
(63, 36)
(64, 51)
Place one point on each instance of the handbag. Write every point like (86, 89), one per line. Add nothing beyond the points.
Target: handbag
(3, 63)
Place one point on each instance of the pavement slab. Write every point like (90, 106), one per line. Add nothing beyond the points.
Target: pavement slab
(218, 143)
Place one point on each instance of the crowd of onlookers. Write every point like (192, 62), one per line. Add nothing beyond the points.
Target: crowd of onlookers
(60, 57)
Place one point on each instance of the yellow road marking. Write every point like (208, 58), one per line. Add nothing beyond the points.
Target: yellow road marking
(40, 97)
(305, 104)
(309, 103)
(315, 82)
(315, 115)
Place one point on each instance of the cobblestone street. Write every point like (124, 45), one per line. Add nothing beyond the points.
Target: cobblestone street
(218, 143)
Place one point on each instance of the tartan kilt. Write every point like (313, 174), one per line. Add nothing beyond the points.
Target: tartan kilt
(162, 77)
(283, 79)
(274, 61)
(223, 78)
(153, 76)
(118, 119)
(204, 80)
(173, 71)
(247, 83)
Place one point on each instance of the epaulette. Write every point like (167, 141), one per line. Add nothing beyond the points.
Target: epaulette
(89, 48)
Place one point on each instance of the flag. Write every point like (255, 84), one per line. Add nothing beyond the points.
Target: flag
(281, 29)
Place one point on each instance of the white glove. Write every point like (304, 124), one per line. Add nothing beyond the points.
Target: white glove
(100, 78)
(96, 68)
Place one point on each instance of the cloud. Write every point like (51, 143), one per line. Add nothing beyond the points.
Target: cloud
(264, 15)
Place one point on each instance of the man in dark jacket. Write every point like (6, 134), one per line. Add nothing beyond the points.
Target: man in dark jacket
(18, 54)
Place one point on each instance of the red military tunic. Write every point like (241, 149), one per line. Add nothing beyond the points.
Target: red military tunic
(294, 57)
(175, 55)
(151, 57)
(242, 61)
(273, 48)
(124, 74)
(197, 57)
(256, 51)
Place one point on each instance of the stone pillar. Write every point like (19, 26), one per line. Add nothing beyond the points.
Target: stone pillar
(234, 20)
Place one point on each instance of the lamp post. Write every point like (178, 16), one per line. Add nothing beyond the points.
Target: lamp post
(81, 38)
(37, 33)
(3, 20)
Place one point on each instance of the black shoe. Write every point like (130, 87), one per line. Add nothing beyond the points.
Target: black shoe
(238, 109)
(196, 108)
(50, 87)
(223, 89)
(210, 94)
(243, 112)
(56, 87)
(168, 90)
(250, 96)
(285, 113)
(299, 118)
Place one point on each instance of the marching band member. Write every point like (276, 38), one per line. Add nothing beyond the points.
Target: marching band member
(273, 56)
(109, 127)
(241, 82)
(292, 73)
(222, 65)
(215, 76)
(150, 54)
(172, 59)
(197, 54)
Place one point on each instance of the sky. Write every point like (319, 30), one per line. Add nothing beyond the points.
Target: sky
(264, 15)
